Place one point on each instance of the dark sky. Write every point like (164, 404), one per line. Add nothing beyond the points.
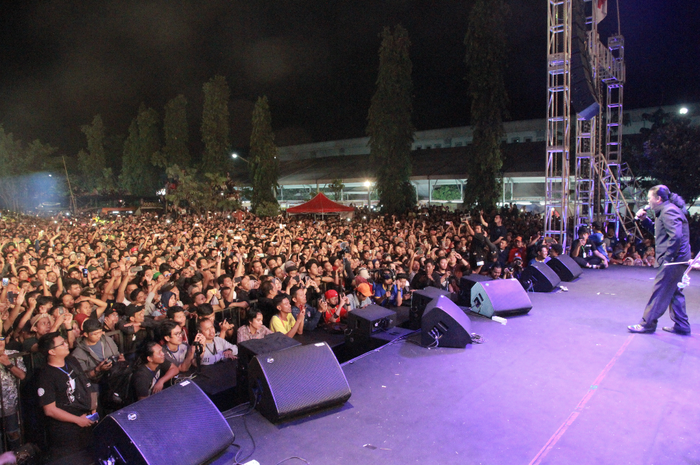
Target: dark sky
(61, 62)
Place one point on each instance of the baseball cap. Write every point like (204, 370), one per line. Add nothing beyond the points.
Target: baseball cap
(364, 289)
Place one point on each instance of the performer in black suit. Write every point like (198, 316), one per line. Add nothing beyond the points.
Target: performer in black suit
(672, 245)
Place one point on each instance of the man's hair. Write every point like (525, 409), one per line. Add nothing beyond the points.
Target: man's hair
(68, 282)
(173, 310)
(166, 328)
(204, 310)
(220, 279)
(44, 299)
(46, 343)
(134, 294)
(251, 313)
(293, 291)
(665, 194)
(583, 230)
(429, 261)
(279, 298)
(265, 288)
(147, 351)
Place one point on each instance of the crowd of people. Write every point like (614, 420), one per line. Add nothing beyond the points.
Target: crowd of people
(85, 301)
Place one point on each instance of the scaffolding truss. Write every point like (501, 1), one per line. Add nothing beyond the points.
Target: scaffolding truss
(598, 190)
(558, 119)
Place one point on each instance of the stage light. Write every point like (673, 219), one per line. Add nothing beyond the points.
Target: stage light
(683, 111)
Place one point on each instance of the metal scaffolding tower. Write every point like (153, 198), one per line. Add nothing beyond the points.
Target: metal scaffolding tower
(598, 193)
(559, 18)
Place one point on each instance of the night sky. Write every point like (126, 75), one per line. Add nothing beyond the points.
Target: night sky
(61, 62)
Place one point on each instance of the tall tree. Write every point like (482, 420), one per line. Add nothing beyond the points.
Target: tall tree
(93, 161)
(215, 125)
(139, 175)
(264, 166)
(486, 59)
(20, 181)
(176, 150)
(670, 156)
(389, 125)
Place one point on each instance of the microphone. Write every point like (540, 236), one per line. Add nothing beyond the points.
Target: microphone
(644, 209)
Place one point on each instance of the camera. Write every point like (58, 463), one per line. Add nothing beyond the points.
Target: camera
(113, 359)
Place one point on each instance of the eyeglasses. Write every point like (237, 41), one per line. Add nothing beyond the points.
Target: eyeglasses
(64, 343)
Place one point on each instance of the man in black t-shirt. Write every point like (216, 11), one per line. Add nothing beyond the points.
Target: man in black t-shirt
(67, 398)
(150, 377)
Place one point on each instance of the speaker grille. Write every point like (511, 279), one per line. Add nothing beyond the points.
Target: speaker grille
(137, 430)
(297, 380)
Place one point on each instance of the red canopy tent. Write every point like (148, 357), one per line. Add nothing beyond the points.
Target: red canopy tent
(320, 205)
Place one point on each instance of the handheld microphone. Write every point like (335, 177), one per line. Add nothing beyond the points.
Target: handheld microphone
(647, 207)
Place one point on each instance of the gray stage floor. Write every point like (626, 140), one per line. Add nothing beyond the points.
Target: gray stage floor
(565, 384)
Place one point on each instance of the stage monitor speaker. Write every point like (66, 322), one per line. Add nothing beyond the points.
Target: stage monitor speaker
(134, 435)
(270, 343)
(295, 381)
(500, 297)
(444, 324)
(565, 267)
(539, 277)
(465, 287)
(420, 299)
(372, 319)
(584, 98)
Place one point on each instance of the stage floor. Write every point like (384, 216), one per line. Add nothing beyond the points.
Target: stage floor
(564, 384)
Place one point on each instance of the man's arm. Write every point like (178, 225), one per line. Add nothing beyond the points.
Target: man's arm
(56, 413)
(172, 372)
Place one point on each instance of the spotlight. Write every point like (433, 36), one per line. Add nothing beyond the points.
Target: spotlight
(683, 111)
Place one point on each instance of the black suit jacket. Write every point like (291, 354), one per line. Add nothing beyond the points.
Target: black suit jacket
(671, 232)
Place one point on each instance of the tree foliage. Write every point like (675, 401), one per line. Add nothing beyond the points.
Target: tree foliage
(200, 194)
(93, 161)
(23, 181)
(486, 58)
(215, 124)
(336, 187)
(264, 165)
(670, 156)
(141, 148)
(389, 125)
(176, 150)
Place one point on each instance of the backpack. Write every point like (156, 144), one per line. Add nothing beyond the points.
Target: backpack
(116, 387)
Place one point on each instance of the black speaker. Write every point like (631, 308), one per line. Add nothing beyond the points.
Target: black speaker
(421, 298)
(444, 324)
(270, 343)
(135, 434)
(372, 319)
(465, 287)
(500, 297)
(565, 267)
(539, 277)
(584, 99)
(295, 381)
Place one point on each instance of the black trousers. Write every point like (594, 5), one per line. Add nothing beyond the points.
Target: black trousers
(667, 295)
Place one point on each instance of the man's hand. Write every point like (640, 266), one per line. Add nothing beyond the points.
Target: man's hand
(5, 360)
(641, 213)
(158, 387)
(83, 421)
(225, 325)
(104, 365)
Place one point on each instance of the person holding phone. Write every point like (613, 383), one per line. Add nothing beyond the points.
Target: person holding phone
(67, 397)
